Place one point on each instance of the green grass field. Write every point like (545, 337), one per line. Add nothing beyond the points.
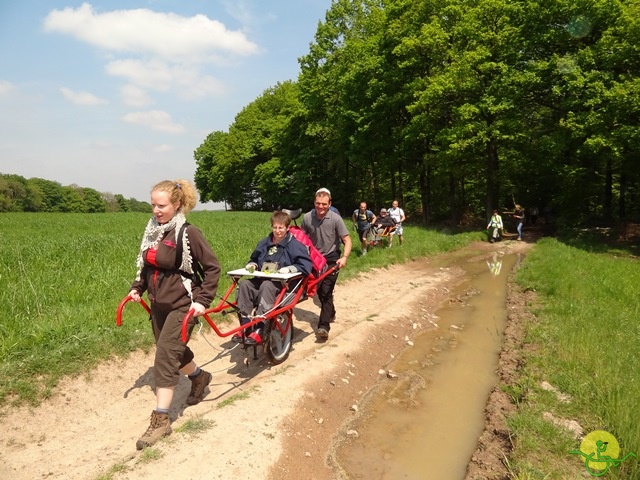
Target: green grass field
(62, 277)
(586, 342)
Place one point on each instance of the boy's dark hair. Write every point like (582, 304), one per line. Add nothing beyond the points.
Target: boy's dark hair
(280, 217)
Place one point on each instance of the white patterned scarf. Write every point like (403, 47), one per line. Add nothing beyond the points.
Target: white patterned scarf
(154, 232)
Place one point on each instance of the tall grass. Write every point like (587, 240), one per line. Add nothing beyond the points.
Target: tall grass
(587, 343)
(63, 275)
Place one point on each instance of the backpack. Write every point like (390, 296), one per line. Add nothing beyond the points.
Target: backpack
(197, 277)
(368, 213)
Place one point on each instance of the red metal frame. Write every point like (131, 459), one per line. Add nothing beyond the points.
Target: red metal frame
(225, 304)
(308, 284)
(386, 233)
(121, 308)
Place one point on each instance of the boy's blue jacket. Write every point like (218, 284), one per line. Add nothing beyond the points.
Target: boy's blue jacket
(288, 252)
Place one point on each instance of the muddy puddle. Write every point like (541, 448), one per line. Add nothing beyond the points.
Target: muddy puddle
(425, 420)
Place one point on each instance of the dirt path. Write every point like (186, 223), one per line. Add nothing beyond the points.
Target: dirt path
(282, 429)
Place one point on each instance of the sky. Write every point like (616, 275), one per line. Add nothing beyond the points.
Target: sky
(116, 95)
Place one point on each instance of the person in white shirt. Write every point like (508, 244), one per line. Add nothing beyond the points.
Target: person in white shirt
(397, 214)
(496, 223)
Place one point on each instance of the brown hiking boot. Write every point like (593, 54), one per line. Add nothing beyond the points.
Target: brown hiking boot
(198, 385)
(159, 427)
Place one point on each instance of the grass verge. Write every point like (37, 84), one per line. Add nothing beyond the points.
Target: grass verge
(585, 342)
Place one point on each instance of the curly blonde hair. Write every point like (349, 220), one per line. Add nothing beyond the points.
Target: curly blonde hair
(181, 191)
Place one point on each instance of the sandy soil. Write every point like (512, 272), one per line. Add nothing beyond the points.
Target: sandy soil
(291, 415)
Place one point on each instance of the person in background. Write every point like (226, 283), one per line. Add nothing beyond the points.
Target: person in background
(382, 221)
(289, 254)
(173, 288)
(495, 222)
(327, 232)
(397, 214)
(518, 214)
(363, 219)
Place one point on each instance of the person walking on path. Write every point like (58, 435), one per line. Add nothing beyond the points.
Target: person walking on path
(518, 214)
(179, 271)
(327, 232)
(495, 222)
(397, 214)
(363, 219)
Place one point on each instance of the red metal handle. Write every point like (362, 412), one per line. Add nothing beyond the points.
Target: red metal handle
(121, 308)
(224, 304)
(185, 322)
(315, 281)
(205, 315)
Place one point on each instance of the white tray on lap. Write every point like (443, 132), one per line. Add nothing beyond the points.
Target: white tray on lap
(241, 272)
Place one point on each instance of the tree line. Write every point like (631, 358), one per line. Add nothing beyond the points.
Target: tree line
(453, 107)
(19, 194)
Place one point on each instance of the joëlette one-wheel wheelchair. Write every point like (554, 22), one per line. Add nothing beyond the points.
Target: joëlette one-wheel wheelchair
(277, 333)
(378, 236)
(278, 321)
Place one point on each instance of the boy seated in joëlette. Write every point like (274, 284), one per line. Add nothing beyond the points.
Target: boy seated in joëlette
(256, 296)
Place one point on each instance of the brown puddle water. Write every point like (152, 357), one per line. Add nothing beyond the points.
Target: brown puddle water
(425, 423)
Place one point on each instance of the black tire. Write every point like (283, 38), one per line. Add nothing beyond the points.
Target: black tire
(278, 346)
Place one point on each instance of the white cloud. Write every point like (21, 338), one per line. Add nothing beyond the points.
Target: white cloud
(153, 74)
(193, 85)
(243, 13)
(5, 87)
(165, 35)
(154, 119)
(85, 99)
(163, 148)
(165, 51)
(135, 96)
(189, 82)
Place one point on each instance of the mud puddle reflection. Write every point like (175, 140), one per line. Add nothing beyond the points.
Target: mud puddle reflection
(425, 423)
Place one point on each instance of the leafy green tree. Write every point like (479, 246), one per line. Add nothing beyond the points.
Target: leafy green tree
(93, 202)
(454, 107)
(72, 200)
(219, 177)
(138, 206)
(18, 194)
(335, 82)
(34, 202)
(12, 193)
(122, 203)
(242, 166)
(6, 201)
(52, 194)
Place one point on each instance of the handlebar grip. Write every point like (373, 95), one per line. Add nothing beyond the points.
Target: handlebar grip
(121, 308)
(185, 323)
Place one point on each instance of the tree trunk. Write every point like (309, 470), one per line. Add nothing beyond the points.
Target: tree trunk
(452, 199)
(622, 208)
(608, 186)
(423, 178)
(492, 175)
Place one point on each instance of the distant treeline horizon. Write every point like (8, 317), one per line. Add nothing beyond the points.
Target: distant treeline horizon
(20, 194)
